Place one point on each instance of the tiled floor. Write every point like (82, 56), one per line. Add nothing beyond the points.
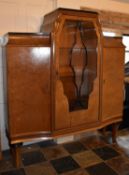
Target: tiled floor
(89, 154)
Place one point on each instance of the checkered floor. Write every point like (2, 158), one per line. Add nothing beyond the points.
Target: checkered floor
(89, 154)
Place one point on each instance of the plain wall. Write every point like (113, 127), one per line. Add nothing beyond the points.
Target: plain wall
(111, 5)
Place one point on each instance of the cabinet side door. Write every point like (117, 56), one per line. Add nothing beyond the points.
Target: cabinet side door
(28, 86)
(113, 79)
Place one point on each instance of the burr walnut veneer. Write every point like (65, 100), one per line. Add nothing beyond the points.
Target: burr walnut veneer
(65, 80)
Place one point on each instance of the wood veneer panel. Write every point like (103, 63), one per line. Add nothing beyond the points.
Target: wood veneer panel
(113, 78)
(29, 87)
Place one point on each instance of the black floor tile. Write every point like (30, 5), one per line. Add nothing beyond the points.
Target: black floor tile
(30, 158)
(100, 169)
(14, 172)
(6, 154)
(106, 152)
(74, 147)
(47, 143)
(64, 164)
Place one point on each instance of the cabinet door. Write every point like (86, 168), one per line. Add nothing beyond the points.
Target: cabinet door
(78, 65)
(28, 79)
(113, 74)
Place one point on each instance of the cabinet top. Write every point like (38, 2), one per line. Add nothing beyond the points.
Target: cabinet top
(55, 17)
(72, 11)
(113, 42)
(27, 39)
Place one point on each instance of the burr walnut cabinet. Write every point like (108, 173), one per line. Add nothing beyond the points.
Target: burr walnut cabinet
(64, 80)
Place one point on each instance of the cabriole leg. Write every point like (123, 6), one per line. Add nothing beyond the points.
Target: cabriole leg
(104, 131)
(16, 153)
(115, 127)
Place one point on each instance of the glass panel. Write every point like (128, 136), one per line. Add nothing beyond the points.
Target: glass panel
(78, 62)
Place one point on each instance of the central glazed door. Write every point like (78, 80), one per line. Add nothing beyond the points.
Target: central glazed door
(77, 60)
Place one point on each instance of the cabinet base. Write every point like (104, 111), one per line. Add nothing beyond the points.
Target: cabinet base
(16, 148)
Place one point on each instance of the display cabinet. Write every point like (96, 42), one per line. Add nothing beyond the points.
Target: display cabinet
(66, 80)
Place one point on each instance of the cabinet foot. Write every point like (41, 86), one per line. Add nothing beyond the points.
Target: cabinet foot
(115, 127)
(104, 131)
(15, 150)
(0, 155)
